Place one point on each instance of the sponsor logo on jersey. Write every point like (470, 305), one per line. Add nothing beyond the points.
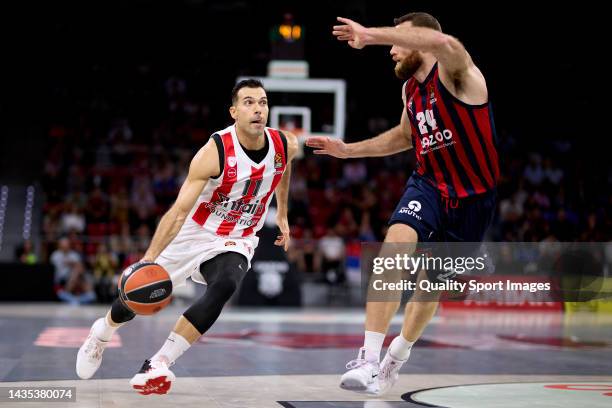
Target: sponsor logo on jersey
(413, 208)
(278, 161)
(432, 93)
(238, 207)
(232, 172)
(230, 243)
(438, 140)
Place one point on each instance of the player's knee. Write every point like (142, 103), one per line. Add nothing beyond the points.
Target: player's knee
(401, 233)
(223, 287)
(205, 311)
(224, 273)
(120, 313)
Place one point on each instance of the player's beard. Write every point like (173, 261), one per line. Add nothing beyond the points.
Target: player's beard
(407, 67)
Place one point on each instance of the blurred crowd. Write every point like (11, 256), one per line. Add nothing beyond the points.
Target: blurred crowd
(110, 175)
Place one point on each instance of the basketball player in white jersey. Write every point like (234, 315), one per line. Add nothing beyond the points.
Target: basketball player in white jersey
(209, 232)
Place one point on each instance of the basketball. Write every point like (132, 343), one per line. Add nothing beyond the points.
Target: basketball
(145, 288)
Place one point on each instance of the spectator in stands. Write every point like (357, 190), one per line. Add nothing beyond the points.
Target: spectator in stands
(77, 242)
(332, 249)
(511, 209)
(355, 172)
(175, 87)
(51, 223)
(97, 206)
(552, 174)
(366, 233)
(142, 202)
(72, 220)
(592, 233)
(64, 260)
(105, 268)
(534, 173)
(303, 252)
(77, 172)
(314, 179)
(25, 253)
(121, 242)
(143, 236)
(120, 206)
(78, 289)
(165, 184)
(541, 199)
(134, 255)
(78, 198)
(120, 137)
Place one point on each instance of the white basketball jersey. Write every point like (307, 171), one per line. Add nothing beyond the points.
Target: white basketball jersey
(235, 203)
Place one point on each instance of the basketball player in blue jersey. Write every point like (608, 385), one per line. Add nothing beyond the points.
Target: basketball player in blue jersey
(451, 194)
(209, 233)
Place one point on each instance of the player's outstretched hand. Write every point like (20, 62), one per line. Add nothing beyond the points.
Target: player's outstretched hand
(285, 237)
(354, 33)
(328, 145)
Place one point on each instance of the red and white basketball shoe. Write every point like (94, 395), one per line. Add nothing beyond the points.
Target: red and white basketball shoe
(153, 378)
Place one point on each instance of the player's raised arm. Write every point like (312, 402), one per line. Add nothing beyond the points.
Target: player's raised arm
(282, 194)
(204, 165)
(449, 51)
(394, 140)
(456, 66)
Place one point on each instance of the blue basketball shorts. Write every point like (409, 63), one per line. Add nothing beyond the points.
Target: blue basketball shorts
(439, 219)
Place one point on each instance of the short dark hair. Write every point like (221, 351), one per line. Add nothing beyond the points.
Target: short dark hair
(245, 83)
(420, 19)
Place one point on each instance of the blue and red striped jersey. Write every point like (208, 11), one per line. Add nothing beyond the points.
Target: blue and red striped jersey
(454, 141)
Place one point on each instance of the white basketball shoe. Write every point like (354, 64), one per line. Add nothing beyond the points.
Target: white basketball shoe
(153, 378)
(389, 372)
(362, 375)
(89, 356)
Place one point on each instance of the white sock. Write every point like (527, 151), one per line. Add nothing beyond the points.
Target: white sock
(400, 348)
(373, 343)
(102, 330)
(172, 349)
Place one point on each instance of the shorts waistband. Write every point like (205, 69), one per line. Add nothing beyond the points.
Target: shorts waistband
(456, 201)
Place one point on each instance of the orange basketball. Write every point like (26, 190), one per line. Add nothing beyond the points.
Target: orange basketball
(145, 288)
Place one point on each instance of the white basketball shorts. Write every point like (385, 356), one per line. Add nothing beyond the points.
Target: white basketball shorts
(183, 257)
